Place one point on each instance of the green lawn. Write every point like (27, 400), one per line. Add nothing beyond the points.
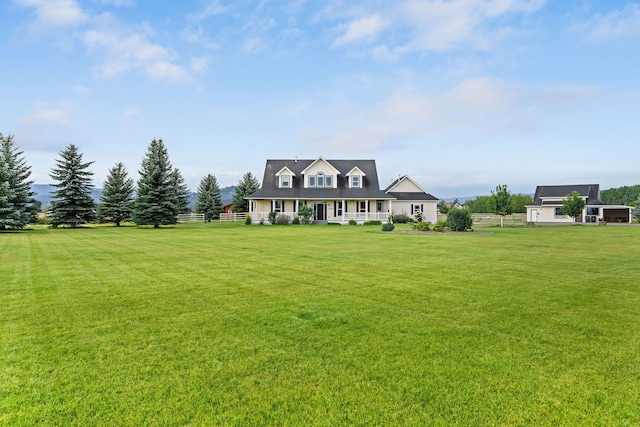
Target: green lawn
(226, 324)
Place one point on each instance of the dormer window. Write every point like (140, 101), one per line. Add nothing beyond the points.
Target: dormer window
(285, 181)
(355, 181)
(320, 180)
(285, 178)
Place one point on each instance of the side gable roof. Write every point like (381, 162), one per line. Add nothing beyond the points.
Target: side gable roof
(370, 186)
(590, 191)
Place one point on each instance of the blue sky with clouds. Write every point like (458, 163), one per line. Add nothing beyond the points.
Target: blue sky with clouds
(461, 95)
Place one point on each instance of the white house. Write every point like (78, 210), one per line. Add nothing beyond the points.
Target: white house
(547, 206)
(338, 191)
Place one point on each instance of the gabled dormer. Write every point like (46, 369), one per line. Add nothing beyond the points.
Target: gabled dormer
(320, 174)
(355, 178)
(285, 177)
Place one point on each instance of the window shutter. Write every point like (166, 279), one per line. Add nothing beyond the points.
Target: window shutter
(422, 208)
(335, 212)
(368, 205)
(411, 208)
(345, 206)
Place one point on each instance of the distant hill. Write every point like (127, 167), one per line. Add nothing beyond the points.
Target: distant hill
(43, 194)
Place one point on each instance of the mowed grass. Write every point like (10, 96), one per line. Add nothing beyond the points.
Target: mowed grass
(225, 324)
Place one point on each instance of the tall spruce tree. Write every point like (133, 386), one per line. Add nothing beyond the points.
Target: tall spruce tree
(72, 203)
(17, 205)
(246, 186)
(116, 202)
(209, 201)
(156, 200)
(181, 191)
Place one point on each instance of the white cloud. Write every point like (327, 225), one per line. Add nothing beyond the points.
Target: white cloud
(298, 109)
(617, 24)
(121, 54)
(45, 116)
(212, 9)
(364, 29)
(253, 45)
(129, 113)
(200, 64)
(54, 13)
(163, 70)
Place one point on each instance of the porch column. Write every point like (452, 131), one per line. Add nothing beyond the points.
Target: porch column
(344, 208)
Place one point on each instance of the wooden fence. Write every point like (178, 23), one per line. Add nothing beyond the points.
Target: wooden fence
(232, 217)
(191, 217)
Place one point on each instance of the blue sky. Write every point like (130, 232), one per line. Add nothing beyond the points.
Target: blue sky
(460, 95)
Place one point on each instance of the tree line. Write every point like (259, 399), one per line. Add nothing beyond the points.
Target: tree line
(501, 201)
(159, 196)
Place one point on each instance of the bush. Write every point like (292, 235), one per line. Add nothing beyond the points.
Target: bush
(401, 218)
(440, 226)
(282, 219)
(388, 226)
(459, 220)
(305, 212)
(272, 217)
(247, 220)
(296, 220)
(352, 222)
(373, 222)
(422, 226)
(418, 216)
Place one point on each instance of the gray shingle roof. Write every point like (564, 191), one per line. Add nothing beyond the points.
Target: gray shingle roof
(412, 196)
(591, 191)
(370, 187)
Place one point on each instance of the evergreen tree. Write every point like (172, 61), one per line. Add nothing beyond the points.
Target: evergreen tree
(246, 186)
(17, 205)
(209, 201)
(181, 191)
(636, 210)
(117, 197)
(156, 203)
(72, 203)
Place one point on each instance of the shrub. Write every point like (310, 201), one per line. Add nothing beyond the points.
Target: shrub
(352, 222)
(272, 217)
(402, 218)
(418, 216)
(305, 212)
(261, 221)
(440, 226)
(422, 226)
(459, 220)
(282, 219)
(388, 226)
(373, 222)
(296, 220)
(247, 220)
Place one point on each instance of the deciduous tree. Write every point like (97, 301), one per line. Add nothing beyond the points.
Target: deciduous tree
(116, 202)
(72, 203)
(573, 204)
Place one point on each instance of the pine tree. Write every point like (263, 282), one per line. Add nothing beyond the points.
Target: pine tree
(117, 196)
(72, 203)
(181, 192)
(209, 201)
(17, 205)
(246, 186)
(156, 202)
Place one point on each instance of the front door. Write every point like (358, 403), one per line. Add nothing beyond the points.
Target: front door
(320, 210)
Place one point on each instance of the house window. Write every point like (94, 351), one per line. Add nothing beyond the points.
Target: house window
(379, 206)
(328, 181)
(312, 180)
(320, 180)
(416, 208)
(593, 211)
(362, 206)
(559, 213)
(285, 181)
(355, 181)
(277, 205)
(338, 208)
